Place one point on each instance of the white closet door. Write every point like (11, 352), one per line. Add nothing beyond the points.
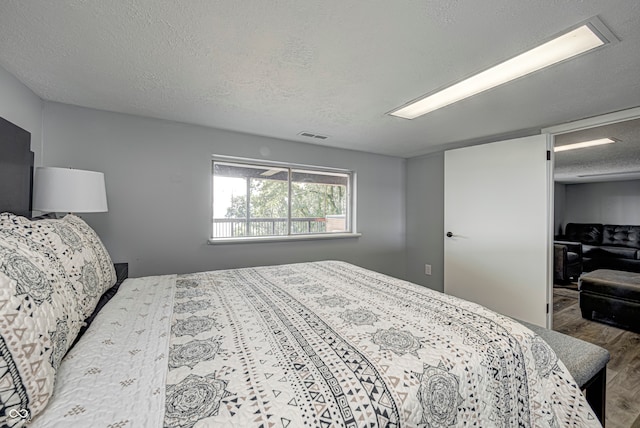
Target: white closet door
(497, 208)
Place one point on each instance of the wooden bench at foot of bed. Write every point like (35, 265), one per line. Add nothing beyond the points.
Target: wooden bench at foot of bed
(586, 362)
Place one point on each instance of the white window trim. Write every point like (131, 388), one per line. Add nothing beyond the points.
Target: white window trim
(281, 238)
(297, 237)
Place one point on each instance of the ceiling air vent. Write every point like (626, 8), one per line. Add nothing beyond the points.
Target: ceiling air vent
(310, 135)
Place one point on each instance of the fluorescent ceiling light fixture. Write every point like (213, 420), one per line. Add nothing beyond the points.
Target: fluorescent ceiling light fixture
(583, 144)
(566, 46)
(603, 174)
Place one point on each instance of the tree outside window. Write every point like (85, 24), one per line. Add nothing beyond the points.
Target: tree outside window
(263, 200)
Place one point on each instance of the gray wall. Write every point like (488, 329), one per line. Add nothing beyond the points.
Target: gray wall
(158, 186)
(19, 105)
(613, 202)
(559, 199)
(425, 220)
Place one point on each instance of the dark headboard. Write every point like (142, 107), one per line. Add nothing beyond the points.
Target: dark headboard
(16, 169)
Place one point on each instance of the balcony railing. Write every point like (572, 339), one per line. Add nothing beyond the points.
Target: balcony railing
(236, 227)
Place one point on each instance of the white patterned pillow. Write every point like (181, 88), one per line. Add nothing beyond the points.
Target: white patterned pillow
(52, 274)
(84, 264)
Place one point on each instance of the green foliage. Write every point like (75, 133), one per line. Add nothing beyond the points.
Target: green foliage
(238, 208)
(269, 200)
(317, 200)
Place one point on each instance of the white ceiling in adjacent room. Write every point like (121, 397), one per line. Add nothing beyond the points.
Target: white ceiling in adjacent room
(610, 162)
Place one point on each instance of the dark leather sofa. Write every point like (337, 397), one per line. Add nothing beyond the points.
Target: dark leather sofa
(605, 246)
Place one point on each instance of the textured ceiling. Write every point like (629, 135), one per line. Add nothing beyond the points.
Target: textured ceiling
(611, 162)
(333, 67)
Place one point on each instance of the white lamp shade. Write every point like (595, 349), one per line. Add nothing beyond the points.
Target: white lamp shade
(69, 190)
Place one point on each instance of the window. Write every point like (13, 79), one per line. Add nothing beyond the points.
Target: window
(256, 199)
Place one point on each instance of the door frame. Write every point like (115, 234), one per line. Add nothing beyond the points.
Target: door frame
(550, 226)
(564, 128)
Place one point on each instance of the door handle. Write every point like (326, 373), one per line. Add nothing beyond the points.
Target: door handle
(449, 235)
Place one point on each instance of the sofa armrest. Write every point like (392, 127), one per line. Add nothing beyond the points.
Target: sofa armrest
(573, 247)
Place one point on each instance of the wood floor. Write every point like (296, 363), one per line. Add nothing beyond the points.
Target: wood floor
(623, 371)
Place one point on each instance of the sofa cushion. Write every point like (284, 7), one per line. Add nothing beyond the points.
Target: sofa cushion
(587, 233)
(594, 251)
(610, 252)
(572, 257)
(625, 236)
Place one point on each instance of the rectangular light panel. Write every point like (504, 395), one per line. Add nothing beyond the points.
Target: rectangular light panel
(568, 45)
(584, 144)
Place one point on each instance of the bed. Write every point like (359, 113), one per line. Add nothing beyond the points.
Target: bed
(313, 344)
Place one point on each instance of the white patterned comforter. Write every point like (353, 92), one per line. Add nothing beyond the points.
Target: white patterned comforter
(312, 344)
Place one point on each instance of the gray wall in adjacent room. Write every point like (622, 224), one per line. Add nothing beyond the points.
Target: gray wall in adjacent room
(425, 220)
(20, 106)
(559, 198)
(612, 202)
(158, 177)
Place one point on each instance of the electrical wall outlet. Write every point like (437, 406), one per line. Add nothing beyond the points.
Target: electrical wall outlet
(427, 269)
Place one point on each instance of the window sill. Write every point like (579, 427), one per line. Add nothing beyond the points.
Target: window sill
(255, 239)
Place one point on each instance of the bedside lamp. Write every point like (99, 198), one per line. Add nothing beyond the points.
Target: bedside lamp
(69, 190)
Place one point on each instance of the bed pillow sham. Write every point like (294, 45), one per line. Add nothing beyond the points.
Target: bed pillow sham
(52, 274)
(86, 264)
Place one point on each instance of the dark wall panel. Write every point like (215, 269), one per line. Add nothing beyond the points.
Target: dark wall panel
(16, 169)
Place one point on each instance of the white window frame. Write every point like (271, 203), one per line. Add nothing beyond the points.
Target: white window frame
(351, 201)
